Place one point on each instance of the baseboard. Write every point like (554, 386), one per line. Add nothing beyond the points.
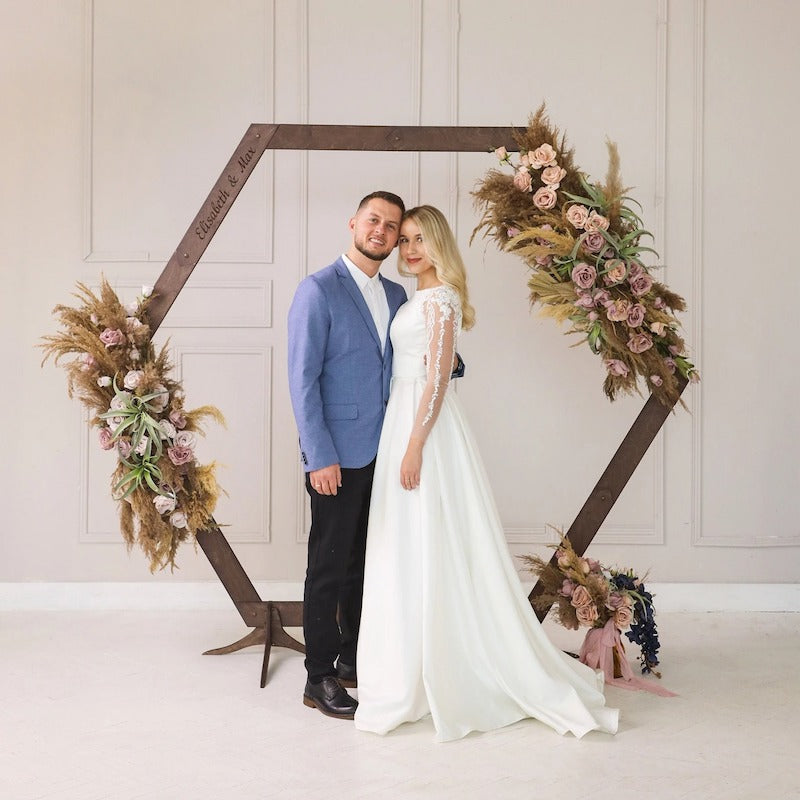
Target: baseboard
(211, 596)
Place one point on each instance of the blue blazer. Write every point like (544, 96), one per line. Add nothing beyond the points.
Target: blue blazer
(338, 377)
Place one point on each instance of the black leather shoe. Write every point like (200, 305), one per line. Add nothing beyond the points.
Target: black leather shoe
(346, 675)
(329, 697)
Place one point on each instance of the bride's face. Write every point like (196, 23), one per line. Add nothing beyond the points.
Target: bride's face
(413, 251)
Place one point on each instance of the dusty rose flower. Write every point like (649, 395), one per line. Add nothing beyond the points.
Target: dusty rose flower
(133, 378)
(543, 156)
(552, 176)
(623, 617)
(544, 261)
(669, 364)
(593, 316)
(567, 588)
(615, 271)
(544, 197)
(584, 300)
(580, 597)
(601, 297)
(673, 348)
(594, 564)
(522, 180)
(614, 601)
(593, 242)
(587, 615)
(180, 455)
(124, 447)
(525, 159)
(583, 275)
(185, 439)
(656, 380)
(160, 401)
(635, 269)
(577, 216)
(639, 343)
(106, 439)
(617, 311)
(641, 284)
(501, 153)
(616, 367)
(111, 337)
(659, 303)
(596, 222)
(658, 328)
(177, 418)
(178, 519)
(103, 381)
(635, 315)
(167, 429)
(87, 361)
(163, 504)
(512, 232)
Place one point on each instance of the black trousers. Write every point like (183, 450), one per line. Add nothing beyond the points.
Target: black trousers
(335, 574)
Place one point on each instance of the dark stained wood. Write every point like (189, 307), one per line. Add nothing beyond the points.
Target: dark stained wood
(613, 480)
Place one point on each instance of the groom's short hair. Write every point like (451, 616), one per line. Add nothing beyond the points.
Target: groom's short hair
(389, 197)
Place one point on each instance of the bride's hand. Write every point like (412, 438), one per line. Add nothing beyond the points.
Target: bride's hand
(411, 465)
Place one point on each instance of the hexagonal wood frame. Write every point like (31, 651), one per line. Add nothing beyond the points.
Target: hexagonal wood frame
(268, 619)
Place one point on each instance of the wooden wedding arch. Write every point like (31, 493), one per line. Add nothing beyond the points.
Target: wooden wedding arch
(268, 619)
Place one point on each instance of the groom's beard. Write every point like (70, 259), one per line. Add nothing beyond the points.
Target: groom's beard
(374, 255)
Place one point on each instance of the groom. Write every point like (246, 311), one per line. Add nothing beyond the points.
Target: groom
(340, 365)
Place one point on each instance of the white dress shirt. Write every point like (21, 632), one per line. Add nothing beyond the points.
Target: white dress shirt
(374, 296)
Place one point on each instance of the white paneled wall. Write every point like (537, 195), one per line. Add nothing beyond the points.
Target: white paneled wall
(121, 115)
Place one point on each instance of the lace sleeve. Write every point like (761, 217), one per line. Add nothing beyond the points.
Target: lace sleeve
(443, 323)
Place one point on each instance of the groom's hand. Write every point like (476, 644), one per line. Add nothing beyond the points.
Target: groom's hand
(326, 480)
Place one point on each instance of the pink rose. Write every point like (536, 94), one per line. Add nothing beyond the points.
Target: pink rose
(110, 337)
(567, 588)
(623, 617)
(594, 564)
(587, 615)
(124, 447)
(552, 176)
(180, 455)
(544, 197)
(601, 297)
(593, 316)
(641, 284)
(583, 275)
(177, 418)
(133, 378)
(673, 348)
(87, 361)
(614, 601)
(580, 597)
(501, 153)
(656, 380)
(593, 242)
(639, 343)
(543, 156)
(617, 311)
(615, 271)
(106, 439)
(635, 315)
(163, 504)
(185, 439)
(658, 328)
(584, 300)
(659, 303)
(616, 367)
(544, 261)
(577, 216)
(512, 232)
(635, 269)
(669, 364)
(596, 222)
(522, 180)
(525, 159)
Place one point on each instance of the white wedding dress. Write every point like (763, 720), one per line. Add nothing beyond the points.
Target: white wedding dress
(446, 627)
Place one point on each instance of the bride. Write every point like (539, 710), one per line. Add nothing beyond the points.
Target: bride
(446, 627)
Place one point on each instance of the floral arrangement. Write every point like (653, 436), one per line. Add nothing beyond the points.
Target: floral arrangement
(164, 495)
(583, 243)
(585, 594)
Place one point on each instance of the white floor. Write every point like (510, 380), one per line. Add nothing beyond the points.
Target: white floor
(122, 705)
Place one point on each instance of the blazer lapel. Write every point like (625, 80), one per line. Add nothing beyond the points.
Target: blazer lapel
(355, 293)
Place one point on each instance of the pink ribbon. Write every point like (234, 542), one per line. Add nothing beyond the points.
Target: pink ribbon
(597, 652)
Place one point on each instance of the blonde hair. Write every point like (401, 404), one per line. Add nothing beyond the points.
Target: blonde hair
(442, 250)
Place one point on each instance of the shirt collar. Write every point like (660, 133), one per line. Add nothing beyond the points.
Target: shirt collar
(359, 276)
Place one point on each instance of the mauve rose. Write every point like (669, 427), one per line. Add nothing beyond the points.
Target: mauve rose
(584, 300)
(177, 418)
(601, 297)
(178, 519)
(658, 328)
(580, 597)
(544, 197)
(587, 615)
(543, 156)
(106, 439)
(185, 439)
(567, 588)
(164, 505)
(522, 180)
(656, 380)
(583, 275)
(111, 337)
(641, 284)
(596, 222)
(124, 447)
(639, 343)
(593, 316)
(552, 176)
(616, 367)
(617, 311)
(635, 315)
(501, 153)
(594, 564)
(160, 401)
(180, 455)
(673, 348)
(614, 601)
(635, 269)
(623, 617)
(133, 378)
(669, 364)
(659, 303)
(593, 242)
(577, 216)
(167, 429)
(615, 271)
(512, 232)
